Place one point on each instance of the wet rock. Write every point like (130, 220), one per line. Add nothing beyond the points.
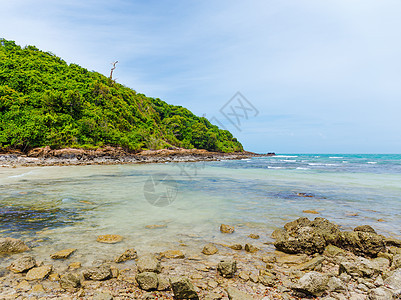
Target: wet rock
(147, 281)
(177, 254)
(163, 283)
(236, 247)
(10, 245)
(226, 228)
(22, 264)
(227, 268)
(362, 243)
(38, 273)
(129, 254)
(63, 254)
(336, 285)
(183, 288)
(380, 294)
(102, 272)
(236, 294)
(251, 248)
(102, 296)
(365, 228)
(109, 238)
(312, 283)
(209, 249)
(70, 281)
(148, 263)
(254, 236)
(311, 264)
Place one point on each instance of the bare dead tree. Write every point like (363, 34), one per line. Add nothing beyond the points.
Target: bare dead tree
(112, 69)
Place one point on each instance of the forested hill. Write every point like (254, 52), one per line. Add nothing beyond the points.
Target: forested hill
(46, 102)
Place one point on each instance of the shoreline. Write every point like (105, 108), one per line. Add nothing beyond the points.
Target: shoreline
(112, 156)
(302, 266)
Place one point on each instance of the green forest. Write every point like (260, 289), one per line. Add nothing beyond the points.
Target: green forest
(46, 102)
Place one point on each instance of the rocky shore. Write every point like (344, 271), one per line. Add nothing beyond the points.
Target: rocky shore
(110, 155)
(313, 260)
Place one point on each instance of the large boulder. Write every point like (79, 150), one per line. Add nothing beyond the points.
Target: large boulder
(10, 245)
(183, 288)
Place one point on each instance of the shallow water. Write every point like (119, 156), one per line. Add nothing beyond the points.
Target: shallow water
(62, 207)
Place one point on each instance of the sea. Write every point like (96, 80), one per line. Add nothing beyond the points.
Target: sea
(158, 207)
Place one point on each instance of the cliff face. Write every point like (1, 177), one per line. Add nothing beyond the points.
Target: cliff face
(46, 102)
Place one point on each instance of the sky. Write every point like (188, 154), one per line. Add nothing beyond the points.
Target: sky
(314, 76)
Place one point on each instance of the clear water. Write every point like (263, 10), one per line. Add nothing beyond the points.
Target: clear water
(62, 207)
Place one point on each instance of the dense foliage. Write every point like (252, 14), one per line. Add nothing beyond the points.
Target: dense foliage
(46, 102)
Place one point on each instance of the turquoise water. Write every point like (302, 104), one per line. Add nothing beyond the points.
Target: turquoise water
(62, 207)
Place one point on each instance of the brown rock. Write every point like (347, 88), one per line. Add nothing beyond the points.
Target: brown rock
(63, 254)
(173, 254)
(226, 228)
(209, 249)
(22, 264)
(109, 238)
(129, 254)
(39, 273)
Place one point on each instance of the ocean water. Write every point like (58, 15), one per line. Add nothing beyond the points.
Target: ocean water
(54, 208)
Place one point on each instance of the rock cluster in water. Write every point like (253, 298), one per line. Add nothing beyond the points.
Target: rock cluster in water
(313, 259)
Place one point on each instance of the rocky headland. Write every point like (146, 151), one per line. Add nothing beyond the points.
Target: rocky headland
(312, 260)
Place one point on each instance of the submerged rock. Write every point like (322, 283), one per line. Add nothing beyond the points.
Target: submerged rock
(183, 288)
(10, 245)
(210, 249)
(226, 228)
(22, 264)
(63, 254)
(227, 268)
(128, 254)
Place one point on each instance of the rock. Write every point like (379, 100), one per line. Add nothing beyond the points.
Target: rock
(336, 285)
(227, 268)
(267, 280)
(163, 283)
(236, 247)
(173, 254)
(311, 264)
(251, 248)
(63, 254)
(362, 243)
(362, 267)
(394, 280)
(102, 296)
(22, 264)
(102, 272)
(148, 263)
(37, 288)
(380, 294)
(147, 280)
(365, 228)
(74, 265)
(70, 281)
(129, 254)
(210, 249)
(254, 236)
(226, 228)
(109, 238)
(236, 294)
(38, 273)
(312, 283)
(10, 245)
(183, 288)
(156, 226)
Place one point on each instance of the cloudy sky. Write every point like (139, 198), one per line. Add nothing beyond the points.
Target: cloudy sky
(324, 76)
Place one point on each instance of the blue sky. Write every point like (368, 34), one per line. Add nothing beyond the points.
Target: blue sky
(325, 76)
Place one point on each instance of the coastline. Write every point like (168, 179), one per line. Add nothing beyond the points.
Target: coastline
(111, 156)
